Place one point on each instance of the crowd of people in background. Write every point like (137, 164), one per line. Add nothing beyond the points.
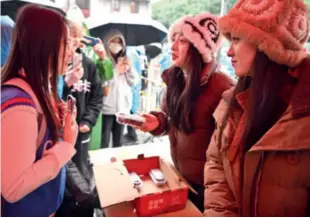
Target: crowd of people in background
(243, 145)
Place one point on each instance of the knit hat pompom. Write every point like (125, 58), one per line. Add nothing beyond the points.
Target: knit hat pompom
(279, 28)
(202, 31)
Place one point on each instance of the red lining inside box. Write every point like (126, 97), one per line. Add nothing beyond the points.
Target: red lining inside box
(165, 200)
(142, 166)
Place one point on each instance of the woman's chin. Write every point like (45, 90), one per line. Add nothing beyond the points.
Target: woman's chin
(176, 64)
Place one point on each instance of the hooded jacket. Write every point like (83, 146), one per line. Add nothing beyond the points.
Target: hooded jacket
(119, 98)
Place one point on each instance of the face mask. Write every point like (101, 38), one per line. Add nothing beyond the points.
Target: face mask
(115, 48)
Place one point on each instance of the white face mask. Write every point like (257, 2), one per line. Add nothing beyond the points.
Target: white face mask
(115, 47)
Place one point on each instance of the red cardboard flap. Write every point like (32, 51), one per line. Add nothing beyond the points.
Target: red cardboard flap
(142, 166)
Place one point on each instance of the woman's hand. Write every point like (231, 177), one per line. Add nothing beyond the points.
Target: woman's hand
(99, 49)
(123, 65)
(150, 124)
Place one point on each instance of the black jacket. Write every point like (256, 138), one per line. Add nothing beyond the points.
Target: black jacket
(80, 199)
(88, 94)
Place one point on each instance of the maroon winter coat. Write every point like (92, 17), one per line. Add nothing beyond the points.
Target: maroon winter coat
(188, 151)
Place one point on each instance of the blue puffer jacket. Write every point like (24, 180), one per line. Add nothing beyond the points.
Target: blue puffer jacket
(7, 25)
(134, 56)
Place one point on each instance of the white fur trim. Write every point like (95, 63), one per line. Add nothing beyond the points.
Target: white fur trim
(175, 28)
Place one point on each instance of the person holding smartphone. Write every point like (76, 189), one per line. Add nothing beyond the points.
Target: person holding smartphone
(33, 157)
(119, 98)
(82, 81)
(93, 48)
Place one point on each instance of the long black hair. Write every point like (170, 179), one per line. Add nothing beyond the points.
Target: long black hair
(266, 105)
(182, 95)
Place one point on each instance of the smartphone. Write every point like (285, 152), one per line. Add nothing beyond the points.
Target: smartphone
(71, 101)
(90, 41)
(76, 60)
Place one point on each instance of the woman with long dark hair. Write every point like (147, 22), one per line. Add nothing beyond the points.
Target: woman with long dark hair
(258, 159)
(32, 155)
(194, 89)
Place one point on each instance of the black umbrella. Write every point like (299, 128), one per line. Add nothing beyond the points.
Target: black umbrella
(137, 29)
(152, 50)
(10, 7)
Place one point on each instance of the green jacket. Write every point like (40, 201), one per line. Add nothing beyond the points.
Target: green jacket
(104, 67)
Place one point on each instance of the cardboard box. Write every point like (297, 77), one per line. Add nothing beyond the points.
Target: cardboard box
(115, 186)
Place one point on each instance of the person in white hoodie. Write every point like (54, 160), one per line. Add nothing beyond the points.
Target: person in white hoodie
(119, 98)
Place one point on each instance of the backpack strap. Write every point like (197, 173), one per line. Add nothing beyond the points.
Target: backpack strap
(24, 86)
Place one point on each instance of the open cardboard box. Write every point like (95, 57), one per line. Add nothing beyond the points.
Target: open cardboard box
(115, 186)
